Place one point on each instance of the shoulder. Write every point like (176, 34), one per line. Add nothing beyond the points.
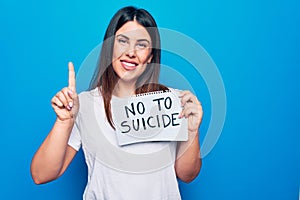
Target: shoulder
(89, 95)
(92, 92)
(174, 90)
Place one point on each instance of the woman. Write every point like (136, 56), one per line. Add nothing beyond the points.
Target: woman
(129, 64)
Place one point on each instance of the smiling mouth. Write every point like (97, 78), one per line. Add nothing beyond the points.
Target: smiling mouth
(129, 65)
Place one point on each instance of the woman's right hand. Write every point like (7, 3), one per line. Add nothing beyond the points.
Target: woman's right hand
(66, 103)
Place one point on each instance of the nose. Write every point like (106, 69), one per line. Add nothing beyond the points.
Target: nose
(131, 52)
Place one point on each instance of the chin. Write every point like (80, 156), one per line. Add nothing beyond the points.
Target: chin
(127, 78)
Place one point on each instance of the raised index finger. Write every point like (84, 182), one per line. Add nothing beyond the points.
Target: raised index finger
(72, 82)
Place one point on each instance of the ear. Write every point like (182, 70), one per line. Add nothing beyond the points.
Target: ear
(149, 59)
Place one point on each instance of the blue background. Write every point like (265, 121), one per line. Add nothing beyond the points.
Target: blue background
(255, 45)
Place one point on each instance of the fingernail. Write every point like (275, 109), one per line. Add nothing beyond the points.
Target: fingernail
(70, 104)
(68, 107)
(70, 91)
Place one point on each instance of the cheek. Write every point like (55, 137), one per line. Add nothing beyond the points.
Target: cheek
(143, 57)
(117, 53)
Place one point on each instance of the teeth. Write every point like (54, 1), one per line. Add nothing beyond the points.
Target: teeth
(129, 64)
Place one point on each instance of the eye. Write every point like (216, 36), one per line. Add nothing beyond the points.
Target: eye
(142, 45)
(122, 41)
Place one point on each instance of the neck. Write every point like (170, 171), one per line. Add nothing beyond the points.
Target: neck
(124, 89)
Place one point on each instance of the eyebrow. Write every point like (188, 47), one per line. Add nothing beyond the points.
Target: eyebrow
(139, 40)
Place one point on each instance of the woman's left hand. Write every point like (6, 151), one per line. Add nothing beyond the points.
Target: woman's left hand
(192, 110)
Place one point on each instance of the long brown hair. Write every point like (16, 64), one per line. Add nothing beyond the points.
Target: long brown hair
(105, 77)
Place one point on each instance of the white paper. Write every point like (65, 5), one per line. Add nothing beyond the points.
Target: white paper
(147, 117)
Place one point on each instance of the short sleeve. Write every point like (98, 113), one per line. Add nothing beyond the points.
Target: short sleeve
(75, 138)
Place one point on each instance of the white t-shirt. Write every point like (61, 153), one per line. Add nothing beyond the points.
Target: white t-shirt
(132, 172)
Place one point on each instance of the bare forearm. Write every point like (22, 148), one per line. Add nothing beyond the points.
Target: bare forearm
(188, 161)
(49, 159)
(54, 155)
